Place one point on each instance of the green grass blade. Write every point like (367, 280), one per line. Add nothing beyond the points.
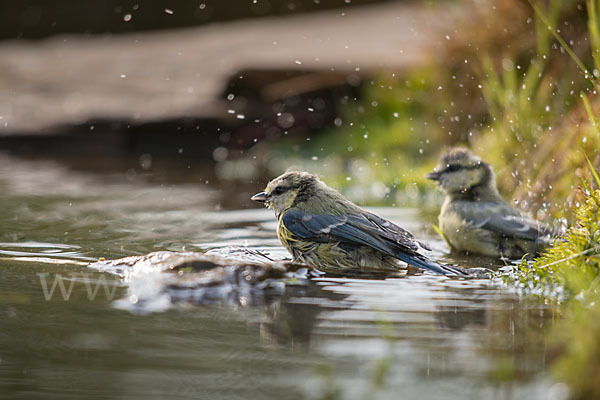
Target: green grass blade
(562, 42)
(594, 31)
(588, 109)
(594, 172)
(439, 232)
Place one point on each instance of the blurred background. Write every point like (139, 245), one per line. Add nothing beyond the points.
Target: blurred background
(365, 93)
(196, 86)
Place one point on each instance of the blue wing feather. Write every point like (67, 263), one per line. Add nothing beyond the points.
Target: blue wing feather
(517, 227)
(325, 227)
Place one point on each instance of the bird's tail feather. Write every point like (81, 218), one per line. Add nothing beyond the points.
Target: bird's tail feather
(430, 265)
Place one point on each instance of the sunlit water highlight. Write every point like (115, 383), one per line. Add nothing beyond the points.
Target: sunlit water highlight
(421, 336)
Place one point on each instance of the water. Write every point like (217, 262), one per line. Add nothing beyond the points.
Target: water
(421, 336)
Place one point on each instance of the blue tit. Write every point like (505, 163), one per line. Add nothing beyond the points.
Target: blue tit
(323, 229)
(475, 219)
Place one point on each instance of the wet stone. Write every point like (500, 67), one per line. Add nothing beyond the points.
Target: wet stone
(231, 275)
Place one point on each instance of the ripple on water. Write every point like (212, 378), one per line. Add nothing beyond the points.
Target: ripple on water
(52, 253)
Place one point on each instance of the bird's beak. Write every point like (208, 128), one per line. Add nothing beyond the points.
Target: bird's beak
(434, 176)
(260, 197)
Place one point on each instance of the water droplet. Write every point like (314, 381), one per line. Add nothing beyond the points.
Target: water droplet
(169, 11)
(507, 64)
(286, 120)
(220, 154)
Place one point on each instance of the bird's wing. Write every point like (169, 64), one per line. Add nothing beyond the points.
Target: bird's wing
(341, 228)
(507, 222)
(394, 233)
(364, 230)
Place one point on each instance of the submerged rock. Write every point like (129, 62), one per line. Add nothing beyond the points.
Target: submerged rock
(234, 276)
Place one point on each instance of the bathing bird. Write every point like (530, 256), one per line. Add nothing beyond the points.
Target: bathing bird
(323, 229)
(475, 219)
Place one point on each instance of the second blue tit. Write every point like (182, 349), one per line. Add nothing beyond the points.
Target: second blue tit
(474, 217)
(323, 229)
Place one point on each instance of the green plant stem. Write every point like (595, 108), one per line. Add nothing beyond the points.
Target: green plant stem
(594, 31)
(588, 109)
(580, 64)
(581, 253)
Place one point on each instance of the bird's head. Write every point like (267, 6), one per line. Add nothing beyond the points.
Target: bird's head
(285, 190)
(460, 171)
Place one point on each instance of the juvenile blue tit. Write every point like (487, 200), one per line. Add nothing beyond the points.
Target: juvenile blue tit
(475, 219)
(321, 228)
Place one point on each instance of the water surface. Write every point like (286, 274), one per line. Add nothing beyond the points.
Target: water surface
(420, 336)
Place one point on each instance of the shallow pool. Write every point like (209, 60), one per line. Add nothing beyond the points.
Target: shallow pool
(421, 336)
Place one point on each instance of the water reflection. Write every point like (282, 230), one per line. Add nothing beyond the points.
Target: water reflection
(422, 335)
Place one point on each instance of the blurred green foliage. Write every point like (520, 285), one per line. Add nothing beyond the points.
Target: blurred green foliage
(577, 338)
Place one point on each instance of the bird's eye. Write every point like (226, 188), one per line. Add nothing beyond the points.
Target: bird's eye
(278, 190)
(453, 168)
